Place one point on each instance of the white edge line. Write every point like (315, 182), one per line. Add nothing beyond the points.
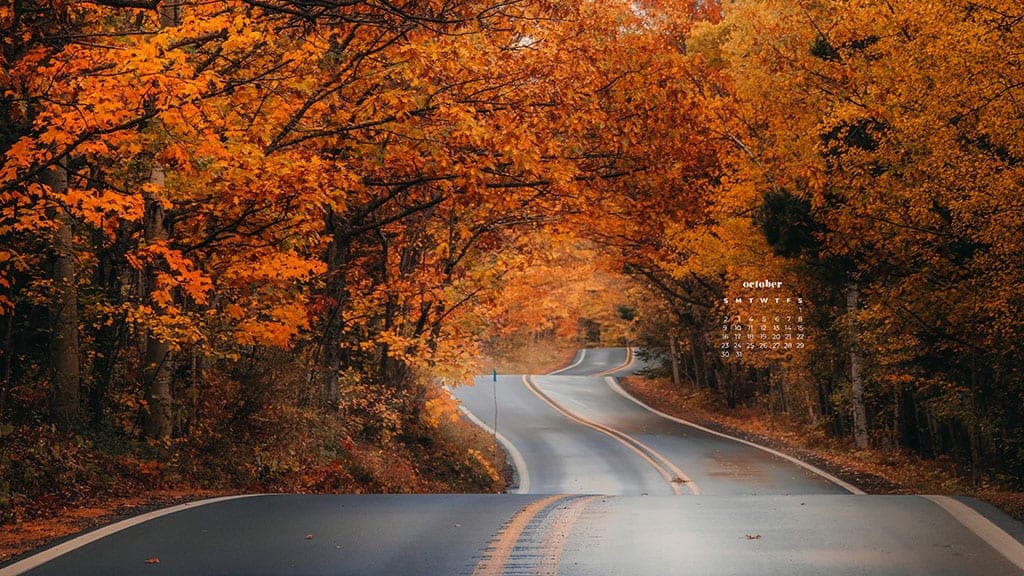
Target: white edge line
(518, 462)
(59, 550)
(844, 485)
(993, 535)
(582, 353)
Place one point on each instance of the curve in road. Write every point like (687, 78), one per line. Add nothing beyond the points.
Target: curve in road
(565, 442)
(594, 466)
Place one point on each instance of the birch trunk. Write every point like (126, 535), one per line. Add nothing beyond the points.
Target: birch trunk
(158, 358)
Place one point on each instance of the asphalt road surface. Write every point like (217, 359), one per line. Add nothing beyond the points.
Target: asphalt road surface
(583, 435)
(604, 486)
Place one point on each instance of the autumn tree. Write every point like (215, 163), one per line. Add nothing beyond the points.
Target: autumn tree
(874, 138)
(350, 182)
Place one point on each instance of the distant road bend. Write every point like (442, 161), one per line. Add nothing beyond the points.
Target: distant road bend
(604, 485)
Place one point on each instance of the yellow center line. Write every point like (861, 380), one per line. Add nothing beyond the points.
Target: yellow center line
(669, 471)
(623, 366)
(680, 477)
(558, 533)
(500, 549)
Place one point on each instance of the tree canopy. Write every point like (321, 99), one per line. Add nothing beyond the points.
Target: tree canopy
(190, 190)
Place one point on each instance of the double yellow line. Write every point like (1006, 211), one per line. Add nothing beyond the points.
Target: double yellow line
(562, 512)
(630, 358)
(669, 471)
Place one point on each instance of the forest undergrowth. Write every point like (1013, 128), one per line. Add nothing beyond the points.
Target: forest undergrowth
(59, 483)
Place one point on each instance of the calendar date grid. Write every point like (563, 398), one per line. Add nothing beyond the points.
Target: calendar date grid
(760, 325)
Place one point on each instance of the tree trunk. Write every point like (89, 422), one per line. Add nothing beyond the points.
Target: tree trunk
(974, 426)
(812, 414)
(66, 372)
(934, 434)
(780, 384)
(157, 381)
(973, 433)
(6, 353)
(860, 423)
(897, 425)
(332, 356)
(110, 274)
(673, 352)
(158, 359)
(110, 344)
(698, 355)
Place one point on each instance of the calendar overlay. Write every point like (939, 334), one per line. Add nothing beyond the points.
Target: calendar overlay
(762, 320)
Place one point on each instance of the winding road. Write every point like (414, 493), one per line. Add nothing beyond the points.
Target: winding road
(604, 485)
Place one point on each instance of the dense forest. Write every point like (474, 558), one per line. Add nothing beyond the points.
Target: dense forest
(241, 238)
(873, 165)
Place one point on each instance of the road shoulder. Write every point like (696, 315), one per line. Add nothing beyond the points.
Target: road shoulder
(27, 538)
(659, 396)
(859, 469)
